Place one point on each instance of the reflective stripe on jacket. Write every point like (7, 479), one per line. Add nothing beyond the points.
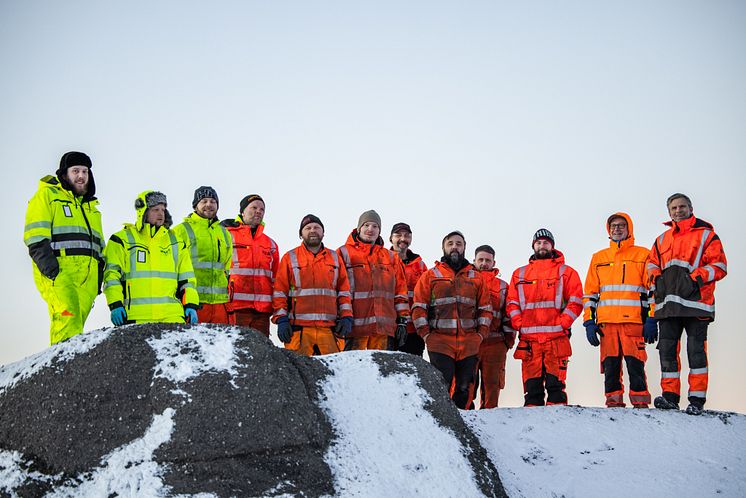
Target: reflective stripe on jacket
(211, 250)
(498, 294)
(312, 290)
(544, 298)
(412, 272)
(451, 303)
(72, 225)
(616, 283)
(377, 284)
(255, 263)
(149, 272)
(685, 262)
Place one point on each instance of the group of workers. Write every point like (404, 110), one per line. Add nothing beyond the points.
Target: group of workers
(366, 296)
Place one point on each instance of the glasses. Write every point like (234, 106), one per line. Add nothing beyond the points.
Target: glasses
(614, 226)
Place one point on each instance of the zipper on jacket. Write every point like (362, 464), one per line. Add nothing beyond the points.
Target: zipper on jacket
(624, 270)
(129, 293)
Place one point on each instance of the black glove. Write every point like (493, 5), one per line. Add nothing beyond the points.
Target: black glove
(650, 330)
(284, 330)
(43, 256)
(592, 331)
(400, 335)
(344, 326)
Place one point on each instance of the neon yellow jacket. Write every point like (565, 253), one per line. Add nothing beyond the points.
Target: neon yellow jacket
(210, 247)
(68, 225)
(149, 272)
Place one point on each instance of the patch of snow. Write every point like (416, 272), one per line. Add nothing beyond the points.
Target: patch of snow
(369, 412)
(129, 470)
(574, 451)
(184, 354)
(12, 473)
(61, 352)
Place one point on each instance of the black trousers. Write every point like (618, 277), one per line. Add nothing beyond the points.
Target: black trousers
(463, 371)
(670, 330)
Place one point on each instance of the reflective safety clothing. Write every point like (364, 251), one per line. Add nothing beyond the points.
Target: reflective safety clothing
(211, 248)
(255, 261)
(685, 262)
(312, 290)
(616, 283)
(616, 297)
(669, 346)
(414, 267)
(67, 228)
(544, 298)
(149, 272)
(501, 329)
(452, 310)
(314, 341)
(377, 284)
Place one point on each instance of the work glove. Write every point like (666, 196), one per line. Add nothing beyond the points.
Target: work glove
(650, 330)
(400, 335)
(191, 315)
(343, 327)
(284, 330)
(118, 316)
(510, 339)
(592, 332)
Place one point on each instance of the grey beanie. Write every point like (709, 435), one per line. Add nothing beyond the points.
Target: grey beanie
(368, 216)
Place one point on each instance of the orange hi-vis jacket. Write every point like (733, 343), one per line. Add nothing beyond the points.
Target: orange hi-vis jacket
(377, 284)
(544, 298)
(255, 263)
(616, 284)
(452, 303)
(685, 262)
(312, 290)
(413, 269)
(498, 294)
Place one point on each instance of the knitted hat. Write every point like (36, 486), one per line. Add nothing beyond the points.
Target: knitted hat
(309, 218)
(455, 232)
(543, 233)
(368, 216)
(70, 159)
(204, 192)
(154, 198)
(248, 200)
(399, 227)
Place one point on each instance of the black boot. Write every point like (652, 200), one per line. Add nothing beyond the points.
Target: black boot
(662, 403)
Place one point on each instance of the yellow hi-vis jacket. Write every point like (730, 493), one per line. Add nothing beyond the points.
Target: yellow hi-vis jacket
(211, 248)
(149, 272)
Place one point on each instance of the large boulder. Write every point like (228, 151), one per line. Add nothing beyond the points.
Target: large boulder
(166, 410)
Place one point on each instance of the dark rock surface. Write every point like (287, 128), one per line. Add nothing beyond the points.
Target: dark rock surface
(253, 428)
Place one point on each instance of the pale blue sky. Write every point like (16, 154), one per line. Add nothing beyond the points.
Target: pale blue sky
(490, 117)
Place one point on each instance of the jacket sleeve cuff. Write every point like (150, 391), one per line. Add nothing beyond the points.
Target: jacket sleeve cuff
(115, 305)
(195, 307)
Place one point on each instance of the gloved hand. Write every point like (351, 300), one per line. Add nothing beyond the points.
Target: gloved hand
(650, 330)
(284, 330)
(191, 315)
(343, 327)
(592, 332)
(118, 316)
(510, 339)
(400, 335)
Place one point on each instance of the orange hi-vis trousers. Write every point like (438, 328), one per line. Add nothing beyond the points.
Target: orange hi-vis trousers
(367, 342)
(213, 313)
(669, 345)
(544, 366)
(624, 341)
(491, 369)
(251, 318)
(314, 341)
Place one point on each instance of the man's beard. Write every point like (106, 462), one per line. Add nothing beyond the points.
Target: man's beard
(313, 242)
(543, 254)
(80, 188)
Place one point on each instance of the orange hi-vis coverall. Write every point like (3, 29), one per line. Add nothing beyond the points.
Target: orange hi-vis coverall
(254, 266)
(312, 290)
(544, 299)
(685, 262)
(414, 267)
(616, 298)
(379, 292)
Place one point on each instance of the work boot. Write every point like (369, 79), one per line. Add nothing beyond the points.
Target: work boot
(662, 403)
(693, 409)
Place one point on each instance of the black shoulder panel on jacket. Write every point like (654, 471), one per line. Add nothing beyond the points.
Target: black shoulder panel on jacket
(228, 222)
(116, 239)
(701, 224)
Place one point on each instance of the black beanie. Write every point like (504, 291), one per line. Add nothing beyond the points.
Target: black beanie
(248, 200)
(309, 218)
(543, 233)
(204, 192)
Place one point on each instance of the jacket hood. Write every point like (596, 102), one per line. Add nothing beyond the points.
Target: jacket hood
(141, 206)
(557, 258)
(630, 240)
(354, 239)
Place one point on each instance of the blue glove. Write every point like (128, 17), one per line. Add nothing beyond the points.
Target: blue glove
(284, 330)
(650, 330)
(118, 316)
(344, 326)
(592, 331)
(191, 316)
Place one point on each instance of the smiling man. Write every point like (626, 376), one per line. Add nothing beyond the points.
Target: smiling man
(685, 262)
(211, 248)
(414, 267)
(65, 241)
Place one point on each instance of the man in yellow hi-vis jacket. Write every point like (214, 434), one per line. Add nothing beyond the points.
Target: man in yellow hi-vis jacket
(65, 241)
(149, 275)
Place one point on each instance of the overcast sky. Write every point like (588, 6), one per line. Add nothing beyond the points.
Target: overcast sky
(489, 117)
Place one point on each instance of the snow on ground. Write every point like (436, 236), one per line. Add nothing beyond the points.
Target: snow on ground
(386, 443)
(589, 452)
